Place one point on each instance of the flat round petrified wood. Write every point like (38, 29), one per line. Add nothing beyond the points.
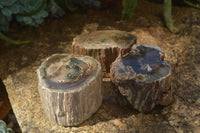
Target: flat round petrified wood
(70, 88)
(105, 46)
(143, 77)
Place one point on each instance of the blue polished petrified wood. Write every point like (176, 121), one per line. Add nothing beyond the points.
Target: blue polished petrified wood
(143, 77)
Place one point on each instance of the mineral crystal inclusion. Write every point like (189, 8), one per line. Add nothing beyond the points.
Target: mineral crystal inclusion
(146, 61)
(66, 73)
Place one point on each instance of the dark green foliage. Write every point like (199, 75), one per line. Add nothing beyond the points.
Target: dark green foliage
(54, 9)
(73, 5)
(7, 9)
(28, 12)
(32, 12)
(59, 7)
(4, 129)
(92, 3)
(65, 5)
(4, 22)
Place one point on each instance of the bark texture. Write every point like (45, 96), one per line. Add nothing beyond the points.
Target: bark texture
(70, 88)
(105, 46)
(143, 77)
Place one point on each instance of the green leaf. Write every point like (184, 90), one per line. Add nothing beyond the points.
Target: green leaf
(7, 3)
(6, 11)
(9, 130)
(16, 8)
(4, 22)
(44, 14)
(27, 20)
(54, 9)
(38, 21)
(33, 12)
(2, 130)
(2, 124)
(31, 7)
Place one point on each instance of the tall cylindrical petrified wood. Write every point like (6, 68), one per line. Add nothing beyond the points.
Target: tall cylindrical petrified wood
(105, 46)
(70, 88)
(143, 77)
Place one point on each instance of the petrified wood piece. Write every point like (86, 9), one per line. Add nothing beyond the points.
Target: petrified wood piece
(105, 46)
(70, 88)
(143, 77)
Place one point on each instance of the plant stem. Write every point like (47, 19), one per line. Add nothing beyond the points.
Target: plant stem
(5, 38)
(129, 6)
(197, 5)
(167, 13)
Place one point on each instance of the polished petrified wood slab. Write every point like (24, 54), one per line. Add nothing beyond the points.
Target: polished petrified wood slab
(143, 77)
(70, 88)
(105, 46)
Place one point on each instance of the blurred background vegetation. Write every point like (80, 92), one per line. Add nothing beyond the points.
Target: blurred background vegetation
(33, 13)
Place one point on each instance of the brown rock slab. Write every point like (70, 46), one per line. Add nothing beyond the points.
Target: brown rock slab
(105, 46)
(70, 88)
(143, 77)
(5, 106)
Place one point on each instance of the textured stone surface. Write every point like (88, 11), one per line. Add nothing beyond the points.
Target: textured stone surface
(22, 87)
(143, 77)
(105, 46)
(70, 88)
(19, 65)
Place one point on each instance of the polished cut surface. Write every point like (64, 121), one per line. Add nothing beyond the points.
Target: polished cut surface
(143, 77)
(104, 45)
(70, 88)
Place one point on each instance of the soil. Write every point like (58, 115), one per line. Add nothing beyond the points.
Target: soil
(181, 49)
